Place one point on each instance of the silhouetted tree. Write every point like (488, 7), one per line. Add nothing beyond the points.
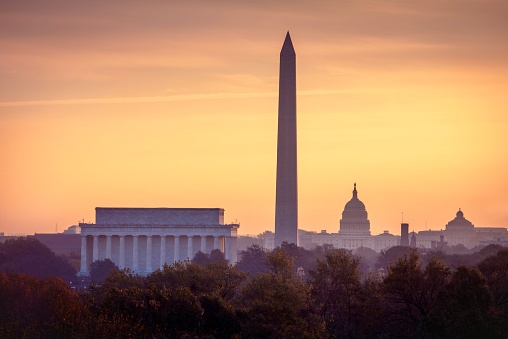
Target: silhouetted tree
(337, 293)
(464, 308)
(28, 255)
(201, 258)
(410, 293)
(276, 304)
(495, 270)
(100, 269)
(34, 308)
(368, 258)
(390, 256)
(217, 256)
(253, 261)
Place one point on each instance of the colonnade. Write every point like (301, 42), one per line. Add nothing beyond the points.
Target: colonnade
(225, 244)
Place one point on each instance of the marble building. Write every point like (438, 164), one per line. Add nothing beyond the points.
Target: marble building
(144, 239)
(354, 231)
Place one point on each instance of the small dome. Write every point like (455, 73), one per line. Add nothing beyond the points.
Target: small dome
(460, 214)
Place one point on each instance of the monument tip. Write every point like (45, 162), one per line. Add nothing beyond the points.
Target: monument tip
(288, 44)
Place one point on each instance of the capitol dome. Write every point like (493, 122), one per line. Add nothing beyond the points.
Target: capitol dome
(354, 217)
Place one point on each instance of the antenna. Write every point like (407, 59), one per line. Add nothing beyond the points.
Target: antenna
(402, 217)
(56, 228)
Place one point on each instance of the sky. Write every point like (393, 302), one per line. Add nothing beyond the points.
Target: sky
(174, 104)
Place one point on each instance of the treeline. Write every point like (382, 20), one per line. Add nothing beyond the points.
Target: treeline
(285, 293)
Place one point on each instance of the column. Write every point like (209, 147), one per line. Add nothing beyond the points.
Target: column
(95, 253)
(163, 251)
(234, 251)
(177, 248)
(203, 243)
(121, 263)
(189, 247)
(227, 253)
(135, 254)
(215, 243)
(83, 270)
(108, 247)
(148, 253)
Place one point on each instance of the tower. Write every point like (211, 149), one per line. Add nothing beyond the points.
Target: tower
(286, 201)
(404, 235)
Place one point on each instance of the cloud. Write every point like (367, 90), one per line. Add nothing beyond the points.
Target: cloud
(164, 98)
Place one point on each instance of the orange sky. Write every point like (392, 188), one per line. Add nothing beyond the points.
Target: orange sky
(174, 104)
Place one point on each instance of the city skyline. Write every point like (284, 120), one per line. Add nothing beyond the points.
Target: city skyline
(175, 105)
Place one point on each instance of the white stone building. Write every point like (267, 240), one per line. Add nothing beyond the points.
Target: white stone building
(144, 239)
(354, 232)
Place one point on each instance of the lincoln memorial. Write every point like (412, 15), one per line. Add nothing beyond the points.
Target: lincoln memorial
(144, 239)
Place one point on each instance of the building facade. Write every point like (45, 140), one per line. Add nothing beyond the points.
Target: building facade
(144, 239)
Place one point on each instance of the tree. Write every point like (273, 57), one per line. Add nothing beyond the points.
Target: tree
(28, 255)
(214, 278)
(391, 255)
(39, 308)
(277, 304)
(337, 293)
(464, 308)
(217, 256)
(253, 260)
(100, 269)
(495, 270)
(410, 293)
(368, 258)
(201, 258)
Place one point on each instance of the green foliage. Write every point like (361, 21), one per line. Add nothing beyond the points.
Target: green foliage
(337, 293)
(418, 298)
(214, 278)
(464, 307)
(410, 293)
(277, 304)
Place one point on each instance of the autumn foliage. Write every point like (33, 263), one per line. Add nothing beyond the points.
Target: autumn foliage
(267, 296)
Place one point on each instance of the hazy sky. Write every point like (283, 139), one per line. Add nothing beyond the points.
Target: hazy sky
(174, 104)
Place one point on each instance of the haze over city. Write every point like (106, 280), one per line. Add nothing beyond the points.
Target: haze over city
(175, 104)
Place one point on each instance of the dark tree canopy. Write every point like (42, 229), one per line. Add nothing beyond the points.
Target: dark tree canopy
(253, 260)
(100, 269)
(28, 255)
(419, 296)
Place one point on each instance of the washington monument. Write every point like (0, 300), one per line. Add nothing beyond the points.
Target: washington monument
(286, 201)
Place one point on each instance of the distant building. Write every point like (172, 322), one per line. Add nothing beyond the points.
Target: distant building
(62, 243)
(461, 231)
(144, 239)
(354, 220)
(354, 232)
(404, 234)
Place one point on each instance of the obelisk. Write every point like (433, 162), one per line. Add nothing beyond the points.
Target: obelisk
(286, 201)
